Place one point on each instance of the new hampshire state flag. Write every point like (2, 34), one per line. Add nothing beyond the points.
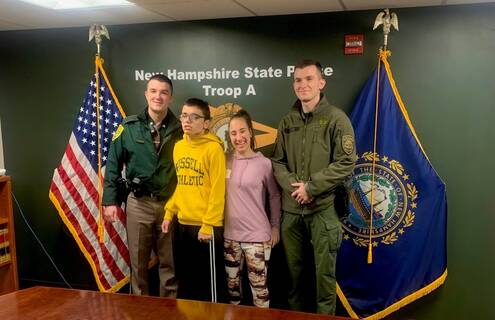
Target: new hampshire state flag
(394, 245)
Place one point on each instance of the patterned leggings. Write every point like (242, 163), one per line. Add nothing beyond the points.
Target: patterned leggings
(256, 256)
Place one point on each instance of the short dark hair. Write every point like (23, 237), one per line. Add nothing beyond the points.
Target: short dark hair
(162, 78)
(243, 114)
(307, 63)
(201, 105)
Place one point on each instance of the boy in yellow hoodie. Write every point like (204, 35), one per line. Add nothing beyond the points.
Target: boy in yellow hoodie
(198, 202)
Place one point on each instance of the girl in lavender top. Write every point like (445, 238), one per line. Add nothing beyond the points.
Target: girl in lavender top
(249, 234)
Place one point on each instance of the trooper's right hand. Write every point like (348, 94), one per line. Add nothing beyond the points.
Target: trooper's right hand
(110, 213)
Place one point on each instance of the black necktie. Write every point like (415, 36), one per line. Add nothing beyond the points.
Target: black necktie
(155, 135)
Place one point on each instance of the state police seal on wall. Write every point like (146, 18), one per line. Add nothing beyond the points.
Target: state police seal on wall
(393, 196)
(220, 120)
(221, 115)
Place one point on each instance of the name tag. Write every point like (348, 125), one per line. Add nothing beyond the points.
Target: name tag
(227, 174)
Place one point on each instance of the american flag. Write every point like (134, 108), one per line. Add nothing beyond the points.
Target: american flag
(76, 191)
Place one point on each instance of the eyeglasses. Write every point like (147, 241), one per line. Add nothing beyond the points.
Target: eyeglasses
(190, 116)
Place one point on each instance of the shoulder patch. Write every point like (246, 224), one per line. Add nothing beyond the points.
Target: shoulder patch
(132, 118)
(348, 144)
(118, 132)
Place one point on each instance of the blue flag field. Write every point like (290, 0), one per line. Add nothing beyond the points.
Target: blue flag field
(394, 245)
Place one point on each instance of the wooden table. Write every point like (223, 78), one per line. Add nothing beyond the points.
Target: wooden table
(58, 303)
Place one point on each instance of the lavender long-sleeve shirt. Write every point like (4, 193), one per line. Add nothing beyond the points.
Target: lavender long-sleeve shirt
(250, 182)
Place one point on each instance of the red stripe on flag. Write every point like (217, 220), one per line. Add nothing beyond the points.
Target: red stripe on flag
(81, 173)
(117, 240)
(87, 181)
(81, 235)
(92, 223)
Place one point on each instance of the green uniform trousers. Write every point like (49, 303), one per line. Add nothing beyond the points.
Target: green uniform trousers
(322, 232)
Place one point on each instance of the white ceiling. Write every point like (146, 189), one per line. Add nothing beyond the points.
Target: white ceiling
(17, 15)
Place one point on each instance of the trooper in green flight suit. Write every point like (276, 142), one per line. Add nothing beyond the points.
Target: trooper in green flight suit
(314, 153)
(143, 145)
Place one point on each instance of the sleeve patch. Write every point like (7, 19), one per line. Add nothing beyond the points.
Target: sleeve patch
(118, 132)
(348, 144)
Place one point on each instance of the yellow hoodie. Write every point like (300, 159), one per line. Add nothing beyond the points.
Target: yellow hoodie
(199, 197)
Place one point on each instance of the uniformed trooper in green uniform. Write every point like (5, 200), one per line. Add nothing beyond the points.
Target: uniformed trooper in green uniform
(314, 153)
(143, 146)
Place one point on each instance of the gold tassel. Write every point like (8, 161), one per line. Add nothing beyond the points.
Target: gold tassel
(370, 253)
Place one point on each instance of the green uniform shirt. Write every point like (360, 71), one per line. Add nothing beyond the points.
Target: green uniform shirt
(133, 147)
(316, 148)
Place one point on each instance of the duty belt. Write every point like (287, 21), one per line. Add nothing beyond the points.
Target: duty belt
(153, 196)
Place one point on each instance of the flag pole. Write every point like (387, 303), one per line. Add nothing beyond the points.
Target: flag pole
(373, 166)
(101, 233)
(96, 32)
(387, 19)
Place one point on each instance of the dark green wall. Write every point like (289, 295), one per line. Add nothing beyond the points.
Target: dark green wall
(443, 62)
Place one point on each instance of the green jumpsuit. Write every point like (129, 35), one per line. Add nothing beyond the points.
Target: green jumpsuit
(316, 148)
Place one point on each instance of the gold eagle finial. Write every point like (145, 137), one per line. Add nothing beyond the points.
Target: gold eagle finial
(388, 19)
(97, 31)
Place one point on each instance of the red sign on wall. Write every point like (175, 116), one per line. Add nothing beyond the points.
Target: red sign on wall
(354, 44)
